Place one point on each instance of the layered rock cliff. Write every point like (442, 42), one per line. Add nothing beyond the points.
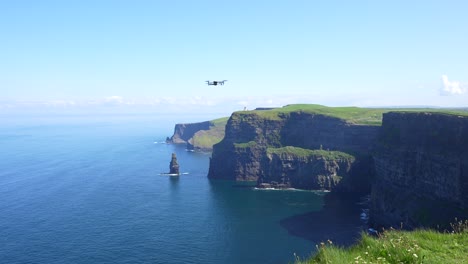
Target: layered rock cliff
(308, 169)
(421, 163)
(247, 152)
(417, 161)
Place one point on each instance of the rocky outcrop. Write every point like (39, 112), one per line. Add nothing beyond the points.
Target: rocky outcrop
(174, 165)
(243, 153)
(421, 163)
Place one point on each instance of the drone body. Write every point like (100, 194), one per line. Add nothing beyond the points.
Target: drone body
(216, 82)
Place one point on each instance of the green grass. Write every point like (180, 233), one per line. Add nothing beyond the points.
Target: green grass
(356, 115)
(249, 144)
(366, 116)
(301, 152)
(396, 246)
(205, 139)
(220, 121)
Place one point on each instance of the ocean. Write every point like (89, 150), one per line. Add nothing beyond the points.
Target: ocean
(89, 189)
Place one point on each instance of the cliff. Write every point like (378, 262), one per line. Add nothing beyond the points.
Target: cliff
(199, 136)
(416, 161)
(421, 163)
(247, 152)
(302, 168)
(184, 132)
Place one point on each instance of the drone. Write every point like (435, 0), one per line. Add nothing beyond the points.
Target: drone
(216, 82)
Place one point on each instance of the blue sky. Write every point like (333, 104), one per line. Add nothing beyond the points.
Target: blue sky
(156, 55)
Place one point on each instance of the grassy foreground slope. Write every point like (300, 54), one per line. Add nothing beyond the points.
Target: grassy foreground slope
(356, 115)
(396, 246)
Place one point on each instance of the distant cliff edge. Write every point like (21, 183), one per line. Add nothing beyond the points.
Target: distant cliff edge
(199, 136)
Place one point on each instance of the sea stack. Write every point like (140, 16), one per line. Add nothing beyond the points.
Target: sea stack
(173, 165)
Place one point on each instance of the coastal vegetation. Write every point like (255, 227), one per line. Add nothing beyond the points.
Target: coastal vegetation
(205, 139)
(201, 135)
(356, 115)
(302, 152)
(249, 144)
(398, 246)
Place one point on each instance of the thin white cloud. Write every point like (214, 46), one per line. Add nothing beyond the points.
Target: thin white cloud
(451, 87)
(198, 100)
(59, 103)
(169, 100)
(114, 100)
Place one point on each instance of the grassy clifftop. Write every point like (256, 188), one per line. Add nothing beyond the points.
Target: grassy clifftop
(205, 139)
(356, 115)
(396, 246)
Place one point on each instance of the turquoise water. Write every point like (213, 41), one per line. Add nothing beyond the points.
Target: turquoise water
(89, 190)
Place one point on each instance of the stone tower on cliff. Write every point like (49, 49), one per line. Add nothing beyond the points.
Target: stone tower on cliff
(173, 165)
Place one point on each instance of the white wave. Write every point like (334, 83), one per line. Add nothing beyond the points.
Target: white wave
(173, 174)
(280, 189)
(169, 174)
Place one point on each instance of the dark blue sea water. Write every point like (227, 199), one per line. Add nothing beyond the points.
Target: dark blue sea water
(88, 190)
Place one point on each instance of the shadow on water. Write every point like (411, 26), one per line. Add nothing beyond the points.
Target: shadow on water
(174, 180)
(338, 221)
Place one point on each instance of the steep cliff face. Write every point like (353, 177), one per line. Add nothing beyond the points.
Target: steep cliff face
(243, 153)
(301, 168)
(236, 162)
(238, 155)
(315, 131)
(244, 127)
(419, 160)
(421, 163)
